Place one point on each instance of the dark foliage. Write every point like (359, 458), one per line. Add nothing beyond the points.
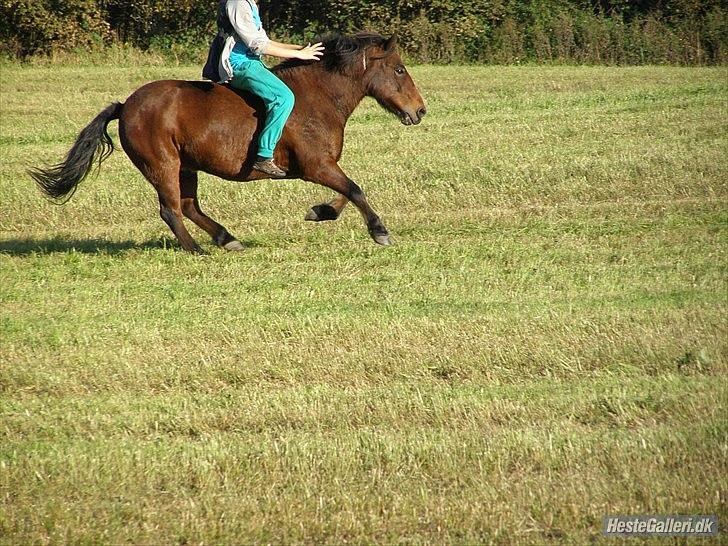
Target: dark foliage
(494, 31)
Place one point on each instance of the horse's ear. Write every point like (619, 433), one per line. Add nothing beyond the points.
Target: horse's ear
(390, 44)
(387, 47)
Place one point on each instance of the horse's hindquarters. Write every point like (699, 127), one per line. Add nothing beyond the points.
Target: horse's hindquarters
(193, 125)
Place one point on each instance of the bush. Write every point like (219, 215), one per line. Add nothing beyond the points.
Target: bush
(439, 31)
(33, 26)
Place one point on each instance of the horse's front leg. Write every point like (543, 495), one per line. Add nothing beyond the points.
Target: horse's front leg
(327, 211)
(333, 177)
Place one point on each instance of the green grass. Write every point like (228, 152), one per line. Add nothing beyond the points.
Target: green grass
(546, 343)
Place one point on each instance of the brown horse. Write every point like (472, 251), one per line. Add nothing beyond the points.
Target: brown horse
(172, 129)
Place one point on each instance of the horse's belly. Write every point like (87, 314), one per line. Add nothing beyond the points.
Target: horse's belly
(219, 152)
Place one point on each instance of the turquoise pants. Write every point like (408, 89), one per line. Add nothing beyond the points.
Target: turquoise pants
(253, 76)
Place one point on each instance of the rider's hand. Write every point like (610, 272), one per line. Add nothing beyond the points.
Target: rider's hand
(311, 52)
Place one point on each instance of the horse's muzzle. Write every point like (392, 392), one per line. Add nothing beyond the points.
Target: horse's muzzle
(413, 118)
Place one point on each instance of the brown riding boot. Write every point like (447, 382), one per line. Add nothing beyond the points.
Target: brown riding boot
(267, 166)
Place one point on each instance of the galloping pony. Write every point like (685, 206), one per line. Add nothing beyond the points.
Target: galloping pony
(173, 129)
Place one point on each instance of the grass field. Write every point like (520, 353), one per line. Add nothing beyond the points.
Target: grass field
(546, 343)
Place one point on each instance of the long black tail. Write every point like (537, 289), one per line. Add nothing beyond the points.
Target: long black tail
(94, 143)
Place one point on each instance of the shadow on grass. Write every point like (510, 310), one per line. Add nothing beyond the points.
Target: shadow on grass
(56, 245)
(23, 247)
(27, 246)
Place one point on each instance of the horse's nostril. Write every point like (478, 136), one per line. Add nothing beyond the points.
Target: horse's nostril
(421, 112)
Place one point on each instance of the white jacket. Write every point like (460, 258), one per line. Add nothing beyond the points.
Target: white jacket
(245, 21)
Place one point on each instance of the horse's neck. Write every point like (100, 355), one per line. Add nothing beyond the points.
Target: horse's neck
(333, 90)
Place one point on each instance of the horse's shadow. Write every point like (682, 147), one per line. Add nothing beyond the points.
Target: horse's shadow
(27, 246)
(59, 245)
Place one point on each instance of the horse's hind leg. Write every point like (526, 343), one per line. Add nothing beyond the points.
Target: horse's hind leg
(327, 211)
(191, 209)
(166, 182)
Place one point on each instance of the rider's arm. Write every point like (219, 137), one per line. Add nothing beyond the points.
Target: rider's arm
(289, 51)
(285, 46)
(241, 18)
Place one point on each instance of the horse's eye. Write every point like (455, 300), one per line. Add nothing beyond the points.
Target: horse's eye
(399, 70)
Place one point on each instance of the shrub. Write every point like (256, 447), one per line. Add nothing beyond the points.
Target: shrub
(440, 31)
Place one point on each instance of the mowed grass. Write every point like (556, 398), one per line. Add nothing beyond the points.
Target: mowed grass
(546, 343)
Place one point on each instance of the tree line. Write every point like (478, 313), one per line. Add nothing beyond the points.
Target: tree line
(689, 32)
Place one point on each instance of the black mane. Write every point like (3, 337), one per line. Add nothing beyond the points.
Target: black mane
(340, 51)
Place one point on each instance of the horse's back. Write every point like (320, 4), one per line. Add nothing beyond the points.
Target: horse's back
(199, 89)
(189, 101)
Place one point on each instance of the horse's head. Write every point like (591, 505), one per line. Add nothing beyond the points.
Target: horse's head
(386, 79)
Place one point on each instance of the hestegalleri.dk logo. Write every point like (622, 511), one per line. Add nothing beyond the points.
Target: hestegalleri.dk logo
(695, 526)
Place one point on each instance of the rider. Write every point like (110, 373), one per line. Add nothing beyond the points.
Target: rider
(239, 64)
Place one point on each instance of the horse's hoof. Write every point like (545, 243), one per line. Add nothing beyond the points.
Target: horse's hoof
(382, 239)
(321, 213)
(234, 245)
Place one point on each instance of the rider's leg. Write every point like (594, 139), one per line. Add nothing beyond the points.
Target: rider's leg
(253, 76)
